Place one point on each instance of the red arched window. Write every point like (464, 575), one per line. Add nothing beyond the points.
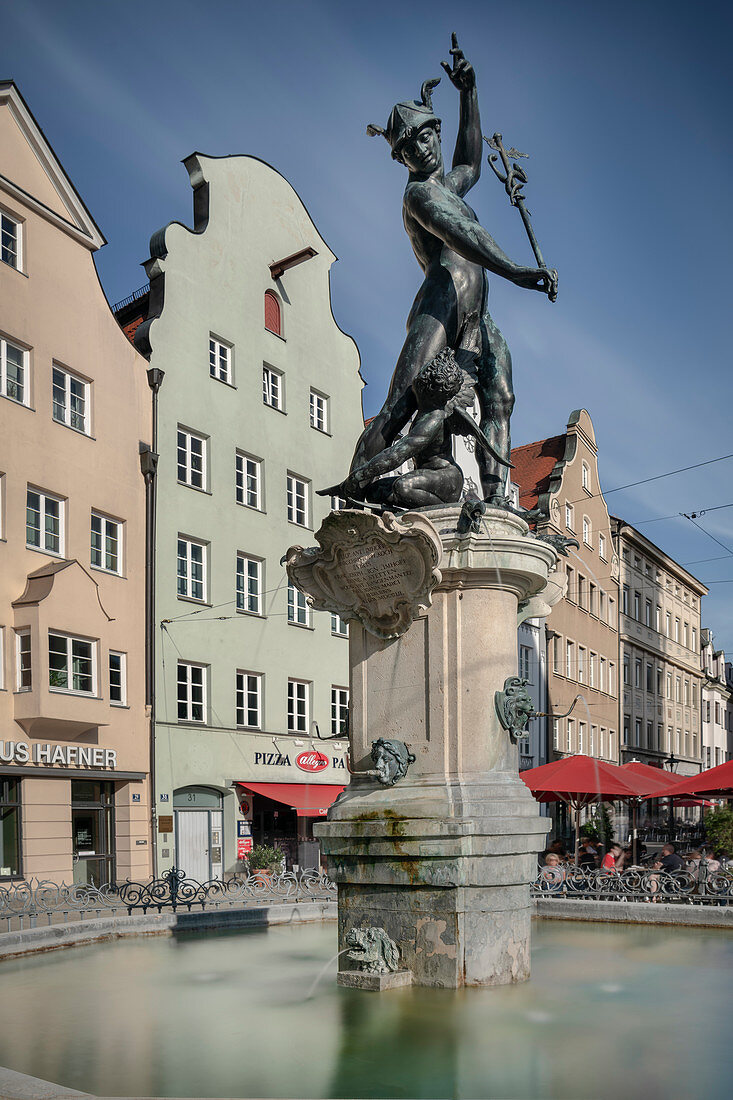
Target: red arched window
(273, 322)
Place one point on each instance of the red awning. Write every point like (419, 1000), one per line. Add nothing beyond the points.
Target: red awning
(307, 799)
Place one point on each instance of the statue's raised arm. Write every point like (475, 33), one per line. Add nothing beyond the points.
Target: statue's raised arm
(467, 155)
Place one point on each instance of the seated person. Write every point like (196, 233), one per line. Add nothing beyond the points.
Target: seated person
(669, 859)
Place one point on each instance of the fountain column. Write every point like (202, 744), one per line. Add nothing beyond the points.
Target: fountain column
(442, 860)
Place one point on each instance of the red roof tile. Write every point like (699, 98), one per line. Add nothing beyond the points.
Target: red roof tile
(534, 462)
(130, 328)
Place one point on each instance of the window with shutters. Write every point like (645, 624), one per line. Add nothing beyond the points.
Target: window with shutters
(273, 313)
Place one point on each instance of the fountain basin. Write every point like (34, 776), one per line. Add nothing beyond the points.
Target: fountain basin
(611, 1010)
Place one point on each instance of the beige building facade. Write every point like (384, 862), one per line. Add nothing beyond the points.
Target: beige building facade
(560, 476)
(74, 409)
(660, 643)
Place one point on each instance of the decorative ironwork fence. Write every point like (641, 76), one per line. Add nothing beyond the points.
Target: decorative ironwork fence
(694, 885)
(24, 904)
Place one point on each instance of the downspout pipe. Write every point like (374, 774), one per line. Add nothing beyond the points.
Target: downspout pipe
(148, 467)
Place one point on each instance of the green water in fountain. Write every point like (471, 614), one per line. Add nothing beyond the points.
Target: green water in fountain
(611, 1010)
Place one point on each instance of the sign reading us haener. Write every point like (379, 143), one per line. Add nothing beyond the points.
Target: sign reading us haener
(48, 755)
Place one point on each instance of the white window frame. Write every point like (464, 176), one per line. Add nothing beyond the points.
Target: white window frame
(43, 497)
(525, 663)
(298, 500)
(6, 221)
(186, 673)
(587, 531)
(581, 664)
(24, 384)
(273, 387)
(319, 411)
(221, 352)
(108, 527)
(298, 706)
(569, 517)
(339, 711)
(70, 639)
(184, 554)
(122, 701)
(248, 687)
(585, 476)
(187, 443)
(20, 667)
(248, 480)
(339, 626)
(337, 503)
(299, 610)
(249, 578)
(65, 413)
(602, 546)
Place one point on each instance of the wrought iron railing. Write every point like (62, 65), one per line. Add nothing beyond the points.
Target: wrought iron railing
(25, 904)
(692, 885)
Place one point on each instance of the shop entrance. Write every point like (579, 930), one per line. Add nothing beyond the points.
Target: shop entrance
(198, 828)
(92, 832)
(276, 825)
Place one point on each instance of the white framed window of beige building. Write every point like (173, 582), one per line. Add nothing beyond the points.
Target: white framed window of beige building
(339, 711)
(667, 624)
(572, 594)
(637, 672)
(298, 491)
(106, 543)
(625, 599)
(678, 689)
(593, 741)
(626, 670)
(11, 241)
(669, 685)
(14, 377)
(45, 521)
(72, 664)
(602, 679)
(191, 571)
(612, 612)
(694, 640)
(319, 403)
(602, 553)
(23, 665)
(593, 670)
(677, 630)
(585, 476)
(221, 355)
(117, 678)
(191, 458)
(249, 584)
(581, 665)
(587, 531)
(571, 735)
(191, 691)
(582, 592)
(556, 653)
(686, 635)
(273, 388)
(248, 480)
(298, 706)
(569, 516)
(555, 733)
(299, 611)
(570, 660)
(70, 401)
(248, 703)
(611, 678)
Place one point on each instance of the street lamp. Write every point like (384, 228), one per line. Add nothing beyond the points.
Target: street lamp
(672, 761)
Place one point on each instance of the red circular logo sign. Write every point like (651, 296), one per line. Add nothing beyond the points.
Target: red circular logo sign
(311, 761)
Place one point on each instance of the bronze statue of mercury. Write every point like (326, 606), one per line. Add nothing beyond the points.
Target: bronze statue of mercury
(451, 307)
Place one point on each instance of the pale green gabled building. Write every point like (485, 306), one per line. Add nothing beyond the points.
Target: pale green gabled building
(260, 405)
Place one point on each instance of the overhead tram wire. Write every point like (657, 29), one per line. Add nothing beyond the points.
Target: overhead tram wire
(647, 480)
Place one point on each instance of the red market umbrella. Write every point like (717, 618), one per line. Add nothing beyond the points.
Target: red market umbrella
(692, 802)
(579, 780)
(716, 782)
(649, 780)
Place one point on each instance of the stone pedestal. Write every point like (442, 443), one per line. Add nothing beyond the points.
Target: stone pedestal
(442, 860)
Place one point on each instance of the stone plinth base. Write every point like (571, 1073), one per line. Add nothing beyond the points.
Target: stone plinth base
(377, 983)
(448, 938)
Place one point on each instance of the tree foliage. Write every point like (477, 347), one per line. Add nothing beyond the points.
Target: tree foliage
(719, 828)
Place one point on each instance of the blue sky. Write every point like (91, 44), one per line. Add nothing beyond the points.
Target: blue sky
(625, 109)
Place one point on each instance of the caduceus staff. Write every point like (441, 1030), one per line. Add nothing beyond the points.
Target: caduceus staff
(514, 178)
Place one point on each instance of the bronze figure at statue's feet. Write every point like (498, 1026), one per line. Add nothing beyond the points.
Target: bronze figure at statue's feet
(454, 252)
